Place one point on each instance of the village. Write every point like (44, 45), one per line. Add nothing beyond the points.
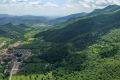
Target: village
(12, 59)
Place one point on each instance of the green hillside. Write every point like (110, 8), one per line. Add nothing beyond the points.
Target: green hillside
(12, 31)
(83, 31)
(83, 48)
(98, 61)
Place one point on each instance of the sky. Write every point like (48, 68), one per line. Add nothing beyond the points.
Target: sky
(52, 7)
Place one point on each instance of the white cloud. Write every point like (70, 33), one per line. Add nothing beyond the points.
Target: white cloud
(14, 0)
(84, 4)
(100, 2)
(116, 2)
(52, 7)
(50, 4)
(69, 6)
(34, 3)
(21, 0)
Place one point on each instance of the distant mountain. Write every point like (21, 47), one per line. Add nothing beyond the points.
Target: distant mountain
(107, 9)
(4, 15)
(12, 31)
(87, 29)
(66, 18)
(78, 16)
(27, 19)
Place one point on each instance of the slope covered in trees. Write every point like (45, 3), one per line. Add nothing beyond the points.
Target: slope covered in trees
(12, 31)
(85, 30)
(98, 61)
(86, 48)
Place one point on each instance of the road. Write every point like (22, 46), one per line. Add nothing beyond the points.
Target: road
(14, 70)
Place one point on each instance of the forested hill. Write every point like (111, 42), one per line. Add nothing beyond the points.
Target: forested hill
(67, 18)
(86, 49)
(25, 19)
(86, 29)
(83, 48)
(12, 31)
(108, 9)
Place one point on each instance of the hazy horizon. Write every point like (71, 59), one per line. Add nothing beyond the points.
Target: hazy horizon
(52, 7)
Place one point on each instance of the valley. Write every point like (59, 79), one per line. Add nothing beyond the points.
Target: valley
(82, 46)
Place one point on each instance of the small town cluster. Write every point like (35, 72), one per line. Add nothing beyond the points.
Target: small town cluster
(12, 58)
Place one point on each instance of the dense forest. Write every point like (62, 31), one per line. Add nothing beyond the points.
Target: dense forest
(83, 46)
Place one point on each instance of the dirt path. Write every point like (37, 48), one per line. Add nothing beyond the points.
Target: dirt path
(14, 70)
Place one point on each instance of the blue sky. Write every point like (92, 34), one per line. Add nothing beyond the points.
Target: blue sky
(52, 7)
